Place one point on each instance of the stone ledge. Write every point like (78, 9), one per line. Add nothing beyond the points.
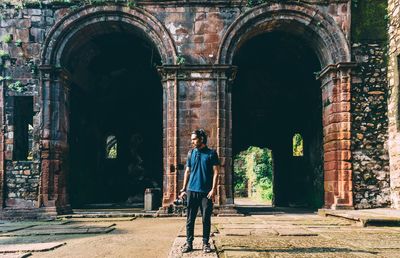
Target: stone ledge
(371, 217)
(40, 247)
(27, 214)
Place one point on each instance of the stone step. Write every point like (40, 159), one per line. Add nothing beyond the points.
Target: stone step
(365, 218)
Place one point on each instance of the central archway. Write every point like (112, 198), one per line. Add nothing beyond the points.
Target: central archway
(330, 45)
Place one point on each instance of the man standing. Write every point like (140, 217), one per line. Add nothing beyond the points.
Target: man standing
(199, 184)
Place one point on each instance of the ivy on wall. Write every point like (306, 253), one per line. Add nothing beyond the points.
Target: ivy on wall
(6, 60)
(369, 20)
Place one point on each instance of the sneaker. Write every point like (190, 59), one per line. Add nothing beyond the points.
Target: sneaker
(187, 247)
(207, 248)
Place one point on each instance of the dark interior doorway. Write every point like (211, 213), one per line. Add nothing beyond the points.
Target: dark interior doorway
(275, 97)
(115, 134)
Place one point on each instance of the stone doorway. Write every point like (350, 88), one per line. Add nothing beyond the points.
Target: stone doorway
(115, 102)
(277, 104)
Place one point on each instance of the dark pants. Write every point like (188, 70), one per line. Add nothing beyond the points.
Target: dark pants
(195, 201)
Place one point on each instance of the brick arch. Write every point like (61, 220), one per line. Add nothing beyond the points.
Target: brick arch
(320, 30)
(71, 24)
(332, 48)
(53, 116)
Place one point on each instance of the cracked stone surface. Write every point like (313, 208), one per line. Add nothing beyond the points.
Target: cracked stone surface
(17, 255)
(37, 247)
(142, 237)
(197, 249)
(277, 235)
(63, 229)
(303, 235)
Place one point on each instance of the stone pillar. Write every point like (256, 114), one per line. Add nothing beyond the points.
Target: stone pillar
(54, 152)
(195, 96)
(335, 85)
(170, 135)
(226, 77)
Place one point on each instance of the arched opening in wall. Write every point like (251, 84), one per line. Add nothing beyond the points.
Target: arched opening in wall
(277, 104)
(115, 134)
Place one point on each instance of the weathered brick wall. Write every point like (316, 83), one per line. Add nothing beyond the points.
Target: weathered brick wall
(22, 184)
(393, 105)
(22, 33)
(196, 110)
(197, 30)
(369, 127)
(369, 105)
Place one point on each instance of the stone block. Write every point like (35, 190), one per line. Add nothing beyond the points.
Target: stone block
(23, 23)
(36, 19)
(4, 23)
(22, 34)
(34, 12)
(37, 34)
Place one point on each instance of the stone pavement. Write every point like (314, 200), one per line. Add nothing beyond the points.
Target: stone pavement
(197, 243)
(89, 237)
(374, 217)
(21, 239)
(293, 233)
(302, 235)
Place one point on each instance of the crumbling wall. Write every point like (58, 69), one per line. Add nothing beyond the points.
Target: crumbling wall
(197, 30)
(393, 105)
(22, 34)
(369, 136)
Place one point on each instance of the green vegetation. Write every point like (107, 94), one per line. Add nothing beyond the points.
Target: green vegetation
(180, 60)
(297, 145)
(32, 66)
(7, 38)
(4, 55)
(253, 174)
(18, 43)
(369, 20)
(251, 3)
(131, 4)
(17, 86)
(112, 153)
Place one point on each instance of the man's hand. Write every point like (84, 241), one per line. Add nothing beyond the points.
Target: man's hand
(210, 194)
(182, 193)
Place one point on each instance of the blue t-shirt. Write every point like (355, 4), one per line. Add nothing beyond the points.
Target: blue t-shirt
(201, 162)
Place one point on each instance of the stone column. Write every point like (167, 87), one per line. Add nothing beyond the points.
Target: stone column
(170, 135)
(226, 77)
(54, 152)
(195, 96)
(335, 85)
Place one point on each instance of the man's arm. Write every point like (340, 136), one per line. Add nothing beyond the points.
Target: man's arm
(215, 182)
(185, 182)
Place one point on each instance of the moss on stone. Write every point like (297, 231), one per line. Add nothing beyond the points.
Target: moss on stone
(369, 20)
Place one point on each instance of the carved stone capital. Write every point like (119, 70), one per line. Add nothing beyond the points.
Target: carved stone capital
(56, 74)
(334, 68)
(197, 72)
